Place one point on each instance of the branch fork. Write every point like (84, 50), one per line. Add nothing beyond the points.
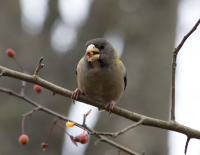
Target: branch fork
(114, 135)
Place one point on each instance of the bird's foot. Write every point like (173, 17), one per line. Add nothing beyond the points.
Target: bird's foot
(110, 105)
(75, 94)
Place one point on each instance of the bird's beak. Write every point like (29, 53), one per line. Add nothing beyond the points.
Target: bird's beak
(92, 52)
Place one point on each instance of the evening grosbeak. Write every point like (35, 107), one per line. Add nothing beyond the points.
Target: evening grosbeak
(101, 74)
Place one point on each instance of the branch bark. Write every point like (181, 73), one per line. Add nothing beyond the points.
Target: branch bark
(168, 125)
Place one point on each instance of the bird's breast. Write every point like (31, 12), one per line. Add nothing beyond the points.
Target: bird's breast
(103, 84)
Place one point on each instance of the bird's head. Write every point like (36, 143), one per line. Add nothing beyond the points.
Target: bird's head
(100, 49)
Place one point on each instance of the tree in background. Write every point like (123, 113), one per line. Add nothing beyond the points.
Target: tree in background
(148, 29)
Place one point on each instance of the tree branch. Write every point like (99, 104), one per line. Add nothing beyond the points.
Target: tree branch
(39, 66)
(168, 125)
(39, 107)
(114, 135)
(177, 49)
(31, 112)
(108, 141)
(175, 52)
(186, 144)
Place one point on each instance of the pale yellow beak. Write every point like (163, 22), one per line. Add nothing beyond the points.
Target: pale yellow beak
(92, 52)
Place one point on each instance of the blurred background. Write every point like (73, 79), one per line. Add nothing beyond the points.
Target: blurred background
(144, 34)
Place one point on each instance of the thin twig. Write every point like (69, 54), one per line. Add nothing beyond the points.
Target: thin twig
(173, 89)
(175, 52)
(71, 137)
(114, 135)
(23, 87)
(84, 121)
(98, 141)
(186, 144)
(62, 129)
(177, 49)
(23, 119)
(39, 66)
(88, 112)
(19, 65)
(54, 123)
(31, 112)
(108, 141)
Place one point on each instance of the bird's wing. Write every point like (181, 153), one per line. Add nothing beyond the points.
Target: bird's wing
(125, 82)
(125, 75)
(79, 64)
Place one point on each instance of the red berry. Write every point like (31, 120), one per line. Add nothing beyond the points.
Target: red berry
(37, 88)
(82, 138)
(44, 146)
(10, 53)
(23, 139)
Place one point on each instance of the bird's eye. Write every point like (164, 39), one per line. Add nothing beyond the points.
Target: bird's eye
(102, 47)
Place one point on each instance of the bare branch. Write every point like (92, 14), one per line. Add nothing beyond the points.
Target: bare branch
(168, 125)
(98, 141)
(65, 119)
(39, 66)
(177, 49)
(31, 112)
(49, 134)
(186, 144)
(23, 87)
(84, 118)
(175, 52)
(131, 127)
(18, 64)
(23, 120)
(122, 148)
(114, 135)
(62, 128)
(84, 121)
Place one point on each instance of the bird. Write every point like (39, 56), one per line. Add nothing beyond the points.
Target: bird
(101, 74)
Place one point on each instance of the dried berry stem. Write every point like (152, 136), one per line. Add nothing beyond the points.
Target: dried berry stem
(51, 130)
(23, 119)
(19, 65)
(62, 129)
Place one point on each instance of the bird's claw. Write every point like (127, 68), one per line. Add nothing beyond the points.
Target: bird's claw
(75, 94)
(110, 105)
